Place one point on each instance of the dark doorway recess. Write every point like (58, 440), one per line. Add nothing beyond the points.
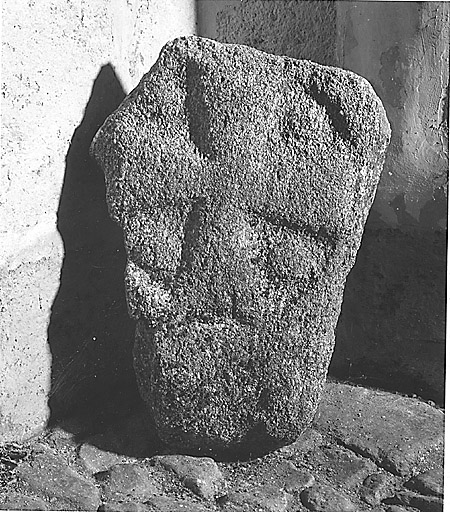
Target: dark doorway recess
(90, 333)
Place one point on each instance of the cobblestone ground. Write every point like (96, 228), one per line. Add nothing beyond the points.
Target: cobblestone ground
(366, 450)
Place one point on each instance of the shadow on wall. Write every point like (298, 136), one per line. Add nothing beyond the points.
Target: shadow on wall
(90, 333)
(391, 332)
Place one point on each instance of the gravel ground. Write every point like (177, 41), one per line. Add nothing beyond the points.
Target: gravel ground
(366, 450)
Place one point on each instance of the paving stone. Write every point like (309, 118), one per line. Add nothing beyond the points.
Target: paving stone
(62, 439)
(399, 508)
(307, 441)
(21, 502)
(323, 498)
(199, 474)
(422, 503)
(293, 479)
(95, 460)
(430, 482)
(130, 481)
(376, 488)
(166, 504)
(267, 498)
(48, 475)
(341, 466)
(123, 506)
(402, 435)
(242, 181)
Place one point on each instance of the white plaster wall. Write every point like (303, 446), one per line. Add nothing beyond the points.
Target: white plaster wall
(52, 51)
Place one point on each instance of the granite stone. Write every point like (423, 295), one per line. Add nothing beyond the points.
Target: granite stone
(242, 182)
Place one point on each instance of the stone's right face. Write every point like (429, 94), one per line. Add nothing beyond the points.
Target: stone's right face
(242, 182)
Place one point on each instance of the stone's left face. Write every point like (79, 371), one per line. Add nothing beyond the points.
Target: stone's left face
(242, 182)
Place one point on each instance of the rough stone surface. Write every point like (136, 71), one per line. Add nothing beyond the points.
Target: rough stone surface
(309, 440)
(422, 503)
(95, 460)
(123, 506)
(344, 467)
(61, 439)
(376, 488)
(199, 474)
(127, 481)
(242, 182)
(166, 504)
(49, 475)
(291, 478)
(21, 502)
(430, 482)
(323, 498)
(403, 435)
(266, 498)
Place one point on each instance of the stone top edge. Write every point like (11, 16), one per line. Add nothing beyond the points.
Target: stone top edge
(193, 41)
(195, 44)
(346, 98)
(192, 44)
